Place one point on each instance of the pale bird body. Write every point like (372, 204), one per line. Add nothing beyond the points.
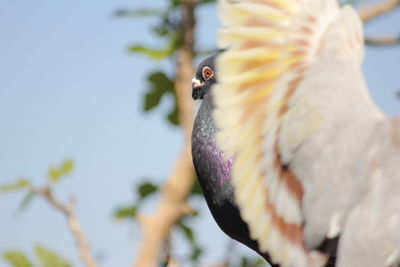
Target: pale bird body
(315, 158)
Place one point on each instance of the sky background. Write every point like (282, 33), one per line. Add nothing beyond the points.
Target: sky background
(70, 89)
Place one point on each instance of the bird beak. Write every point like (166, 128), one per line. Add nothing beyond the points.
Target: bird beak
(196, 83)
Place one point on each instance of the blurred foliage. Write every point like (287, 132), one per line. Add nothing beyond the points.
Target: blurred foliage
(56, 173)
(17, 259)
(142, 12)
(196, 189)
(125, 212)
(146, 190)
(251, 262)
(160, 84)
(46, 257)
(143, 190)
(50, 259)
(23, 184)
(189, 234)
(168, 30)
(19, 184)
(26, 200)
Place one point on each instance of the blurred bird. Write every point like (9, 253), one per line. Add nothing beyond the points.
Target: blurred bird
(316, 160)
(213, 169)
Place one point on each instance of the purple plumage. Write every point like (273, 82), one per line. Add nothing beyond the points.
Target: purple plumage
(212, 169)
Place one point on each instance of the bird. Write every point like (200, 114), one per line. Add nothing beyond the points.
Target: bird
(212, 168)
(316, 161)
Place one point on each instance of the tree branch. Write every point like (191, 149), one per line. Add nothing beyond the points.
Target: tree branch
(372, 11)
(73, 224)
(383, 40)
(172, 206)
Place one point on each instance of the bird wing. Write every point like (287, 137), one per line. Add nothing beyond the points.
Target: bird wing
(292, 106)
(371, 235)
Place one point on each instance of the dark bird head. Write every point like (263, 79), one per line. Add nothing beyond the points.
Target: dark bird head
(205, 77)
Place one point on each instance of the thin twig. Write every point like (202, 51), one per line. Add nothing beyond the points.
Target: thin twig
(383, 40)
(73, 224)
(172, 206)
(372, 11)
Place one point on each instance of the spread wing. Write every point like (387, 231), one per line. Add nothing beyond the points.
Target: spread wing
(371, 235)
(292, 106)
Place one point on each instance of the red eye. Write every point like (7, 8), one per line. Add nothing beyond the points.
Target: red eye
(207, 73)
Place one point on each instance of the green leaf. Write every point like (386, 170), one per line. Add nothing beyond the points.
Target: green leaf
(145, 189)
(17, 259)
(160, 85)
(126, 212)
(196, 189)
(187, 231)
(50, 259)
(17, 185)
(162, 30)
(208, 51)
(206, 1)
(190, 236)
(244, 262)
(174, 41)
(196, 253)
(54, 174)
(67, 167)
(153, 53)
(175, 3)
(173, 115)
(26, 200)
(252, 262)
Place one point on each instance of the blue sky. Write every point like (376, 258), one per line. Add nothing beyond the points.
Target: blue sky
(69, 89)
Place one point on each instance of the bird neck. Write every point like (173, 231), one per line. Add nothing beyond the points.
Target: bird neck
(212, 168)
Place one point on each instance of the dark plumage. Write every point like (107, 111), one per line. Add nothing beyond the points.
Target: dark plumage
(212, 170)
